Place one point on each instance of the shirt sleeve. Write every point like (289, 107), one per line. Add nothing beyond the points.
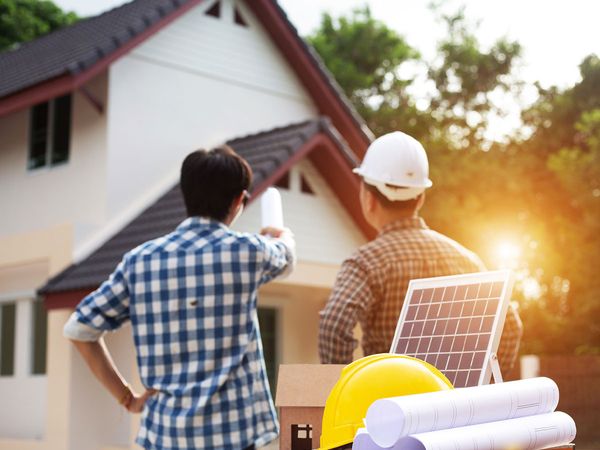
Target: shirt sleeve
(350, 298)
(105, 309)
(279, 256)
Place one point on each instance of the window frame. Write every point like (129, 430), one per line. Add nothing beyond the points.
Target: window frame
(13, 373)
(24, 341)
(50, 151)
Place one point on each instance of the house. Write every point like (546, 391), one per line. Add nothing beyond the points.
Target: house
(301, 403)
(95, 120)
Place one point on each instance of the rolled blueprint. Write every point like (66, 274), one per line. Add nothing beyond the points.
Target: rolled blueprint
(363, 441)
(390, 419)
(525, 433)
(271, 209)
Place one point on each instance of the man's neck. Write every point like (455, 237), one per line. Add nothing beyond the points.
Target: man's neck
(384, 219)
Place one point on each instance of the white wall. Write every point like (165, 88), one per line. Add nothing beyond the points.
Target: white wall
(324, 231)
(198, 82)
(70, 193)
(96, 418)
(23, 404)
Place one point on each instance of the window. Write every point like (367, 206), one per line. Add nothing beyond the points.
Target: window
(50, 132)
(305, 186)
(284, 181)
(7, 339)
(267, 319)
(39, 324)
(214, 10)
(239, 19)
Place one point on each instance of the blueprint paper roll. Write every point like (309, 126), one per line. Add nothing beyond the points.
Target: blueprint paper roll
(390, 419)
(271, 209)
(362, 441)
(525, 433)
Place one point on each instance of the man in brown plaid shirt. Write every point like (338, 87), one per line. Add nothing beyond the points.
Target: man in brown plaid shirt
(372, 283)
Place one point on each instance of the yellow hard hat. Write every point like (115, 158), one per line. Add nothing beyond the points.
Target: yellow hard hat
(369, 379)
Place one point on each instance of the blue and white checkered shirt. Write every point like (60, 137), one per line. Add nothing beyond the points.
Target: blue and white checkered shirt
(191, 297)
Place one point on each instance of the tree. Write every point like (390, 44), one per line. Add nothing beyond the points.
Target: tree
(365, 56)
(543, 191)
(566, 140)
(25, 20)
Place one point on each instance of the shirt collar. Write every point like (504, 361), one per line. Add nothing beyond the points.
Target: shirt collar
(404, 224)
(197, 223)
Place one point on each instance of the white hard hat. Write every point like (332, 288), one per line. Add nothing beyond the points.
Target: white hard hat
(396, 164)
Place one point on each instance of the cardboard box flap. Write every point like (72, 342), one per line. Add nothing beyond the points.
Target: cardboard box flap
(306, 384)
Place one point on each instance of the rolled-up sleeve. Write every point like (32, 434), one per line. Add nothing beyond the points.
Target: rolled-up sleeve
(105, 309)
(279, 256)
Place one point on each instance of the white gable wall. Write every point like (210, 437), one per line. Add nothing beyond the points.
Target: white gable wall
(73, 192)
(198, 82)
(325, 233)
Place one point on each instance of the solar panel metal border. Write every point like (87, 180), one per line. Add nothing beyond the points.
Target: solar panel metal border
(444, 290)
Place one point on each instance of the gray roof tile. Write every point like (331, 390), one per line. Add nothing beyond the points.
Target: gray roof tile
(76, 48)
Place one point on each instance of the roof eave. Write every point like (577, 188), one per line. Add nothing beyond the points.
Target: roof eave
(329, 101)
(323, 150)
(69, 82)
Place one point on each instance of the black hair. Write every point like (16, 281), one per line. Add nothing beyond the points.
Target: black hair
(212, 179)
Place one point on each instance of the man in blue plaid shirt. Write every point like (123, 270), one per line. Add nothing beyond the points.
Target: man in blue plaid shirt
(191, 298)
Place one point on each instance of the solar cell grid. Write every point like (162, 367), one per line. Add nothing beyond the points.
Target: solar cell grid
(450, 322)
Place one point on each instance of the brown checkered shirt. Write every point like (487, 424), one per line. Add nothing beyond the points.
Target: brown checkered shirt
(372, 283)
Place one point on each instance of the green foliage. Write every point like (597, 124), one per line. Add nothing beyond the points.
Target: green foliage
(542, 193)
(465, 76)
(25, 20)
(363, 70)
(365, 56)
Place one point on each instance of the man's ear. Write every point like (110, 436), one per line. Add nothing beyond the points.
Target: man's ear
(420, 201)
(370, 201)
(237, 202)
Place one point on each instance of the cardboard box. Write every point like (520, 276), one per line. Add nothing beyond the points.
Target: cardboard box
(302, 390)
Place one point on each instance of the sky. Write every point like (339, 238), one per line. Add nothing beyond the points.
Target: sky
(556, 34)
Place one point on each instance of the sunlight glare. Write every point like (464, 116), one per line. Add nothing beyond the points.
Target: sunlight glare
(531, 288)
(507, 254)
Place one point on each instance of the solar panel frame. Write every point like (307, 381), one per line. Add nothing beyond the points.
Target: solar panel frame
(444, 296)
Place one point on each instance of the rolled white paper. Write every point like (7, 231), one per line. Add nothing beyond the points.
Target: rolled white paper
(525, 433)
(271, 209)
(362, 441)
(390, 419)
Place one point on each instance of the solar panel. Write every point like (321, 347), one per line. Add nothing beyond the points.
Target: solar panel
(455, 323)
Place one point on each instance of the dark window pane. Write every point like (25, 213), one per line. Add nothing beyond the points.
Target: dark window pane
(284, 181)
(61, 129)
(40, 327)
(305, 187)
(7, 339)
(239, 19)
(267, 319)
(38, 136)
(215, 10)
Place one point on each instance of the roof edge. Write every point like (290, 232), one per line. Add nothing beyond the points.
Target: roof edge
(326, 149)
(68, 82)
